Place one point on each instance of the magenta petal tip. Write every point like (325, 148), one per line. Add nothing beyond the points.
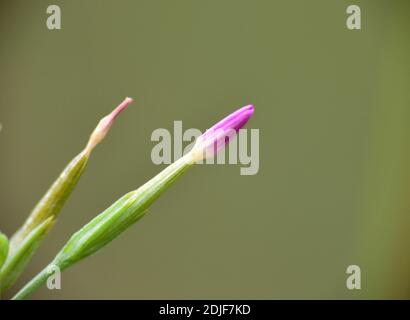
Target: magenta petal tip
(216, 137)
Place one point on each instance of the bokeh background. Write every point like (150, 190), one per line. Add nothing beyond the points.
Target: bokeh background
(332, 106)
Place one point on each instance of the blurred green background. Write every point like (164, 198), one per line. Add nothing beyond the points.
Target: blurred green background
(332, 106)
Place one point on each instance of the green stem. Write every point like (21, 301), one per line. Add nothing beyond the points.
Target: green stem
(33, 285)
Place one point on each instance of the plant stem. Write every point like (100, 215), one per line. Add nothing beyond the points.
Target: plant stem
(33, 285)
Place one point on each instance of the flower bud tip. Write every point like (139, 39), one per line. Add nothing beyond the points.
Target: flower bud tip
(105, 124)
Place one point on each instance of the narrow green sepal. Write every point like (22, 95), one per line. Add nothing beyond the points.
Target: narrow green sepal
(52, 202)
(119, 216)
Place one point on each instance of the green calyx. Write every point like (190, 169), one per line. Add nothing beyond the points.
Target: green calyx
(111, 222)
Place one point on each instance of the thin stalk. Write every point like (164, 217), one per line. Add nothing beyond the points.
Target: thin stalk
(33, 285)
